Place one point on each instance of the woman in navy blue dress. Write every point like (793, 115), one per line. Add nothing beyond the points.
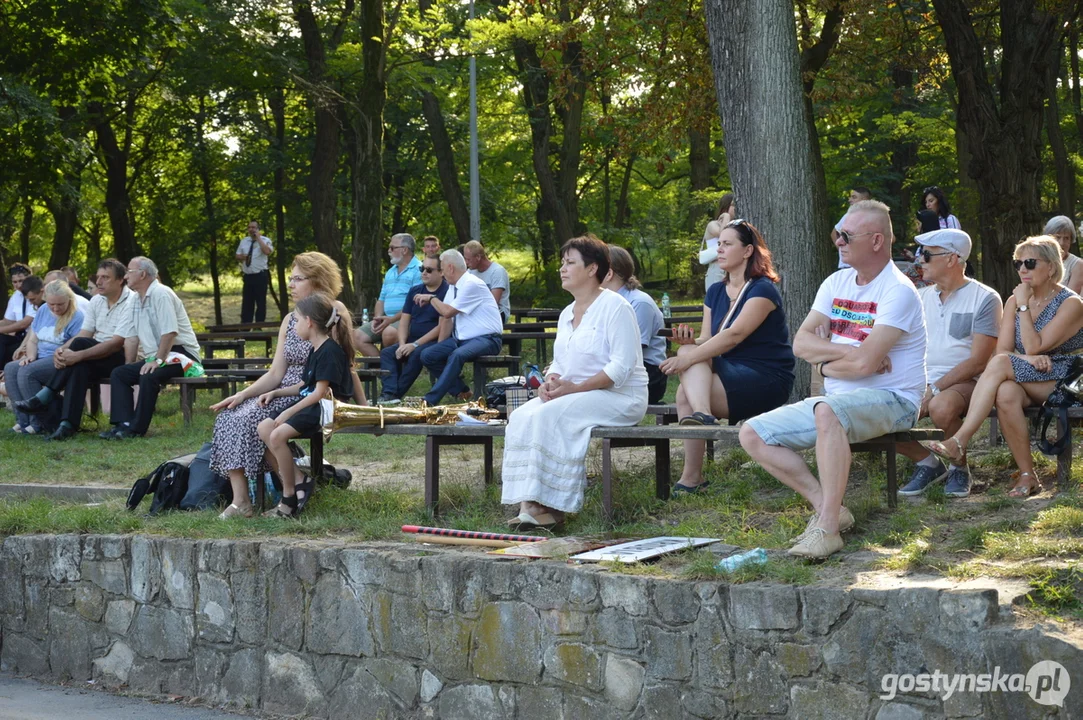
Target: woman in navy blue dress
(741, 365)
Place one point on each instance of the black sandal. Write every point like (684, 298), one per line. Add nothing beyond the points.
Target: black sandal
(698, 418)
(303, 491)
(287, 508)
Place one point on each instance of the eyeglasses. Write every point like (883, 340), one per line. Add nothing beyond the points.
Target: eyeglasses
(928, 256)
(425, 269)
(1029, 264)
(848, 236)
(297, 278)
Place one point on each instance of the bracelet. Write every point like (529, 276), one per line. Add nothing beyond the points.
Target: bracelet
(820, 368)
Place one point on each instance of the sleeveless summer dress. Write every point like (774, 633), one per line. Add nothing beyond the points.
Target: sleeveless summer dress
(235, 443)
(1061, 356)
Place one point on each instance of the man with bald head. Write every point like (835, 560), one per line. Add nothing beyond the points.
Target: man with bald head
(866, 333)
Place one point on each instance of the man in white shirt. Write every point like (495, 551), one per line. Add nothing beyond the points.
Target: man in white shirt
(492, 273)
(90, 356)
(866, 332)
(157, 326)
(19, 314)
(476, 332)
(858, 194)
(962, 321)
(252, 254)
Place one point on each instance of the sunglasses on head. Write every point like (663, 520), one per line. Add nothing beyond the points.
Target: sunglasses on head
(928, 256)
(1029, 264)
(930, 189)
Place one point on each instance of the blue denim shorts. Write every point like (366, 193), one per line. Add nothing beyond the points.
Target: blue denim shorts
(864, 414)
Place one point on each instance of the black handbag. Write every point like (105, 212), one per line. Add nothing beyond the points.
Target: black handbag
(1068, 392)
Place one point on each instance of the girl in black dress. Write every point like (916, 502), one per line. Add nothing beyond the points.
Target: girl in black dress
(327, 368)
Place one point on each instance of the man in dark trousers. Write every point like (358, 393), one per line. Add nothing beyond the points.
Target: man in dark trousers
(252, 254)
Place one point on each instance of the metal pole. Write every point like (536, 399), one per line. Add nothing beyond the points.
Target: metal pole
(475, 183)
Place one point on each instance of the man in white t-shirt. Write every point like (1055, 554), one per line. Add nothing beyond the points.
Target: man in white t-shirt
(492, 273)
(866, 333)
(858, 194)
(962, 322)
(252, 254)
(21, 310)
(476, 332)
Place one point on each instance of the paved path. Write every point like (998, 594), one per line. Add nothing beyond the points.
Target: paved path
(23, 699)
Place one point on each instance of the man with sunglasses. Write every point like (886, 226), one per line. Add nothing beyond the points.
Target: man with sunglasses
(962, 322)
(404, 273)
(858, 194)
(418, 326)
(866, 333)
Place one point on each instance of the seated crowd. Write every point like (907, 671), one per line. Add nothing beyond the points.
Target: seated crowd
(888, 354)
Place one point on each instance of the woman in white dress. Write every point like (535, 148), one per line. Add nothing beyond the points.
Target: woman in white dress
(727, 211)
(596, 379)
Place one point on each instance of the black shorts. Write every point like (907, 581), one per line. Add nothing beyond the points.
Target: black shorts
(306, 422)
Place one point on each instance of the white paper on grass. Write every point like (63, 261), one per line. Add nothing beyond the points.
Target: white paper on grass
(637, 550)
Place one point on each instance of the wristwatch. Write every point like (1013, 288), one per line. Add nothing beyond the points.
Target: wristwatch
(159, 362)
(935, 390)
(1022, 308)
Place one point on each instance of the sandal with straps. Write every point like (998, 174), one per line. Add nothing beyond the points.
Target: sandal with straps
(941, 449)
(286, 508)
(1022, 492)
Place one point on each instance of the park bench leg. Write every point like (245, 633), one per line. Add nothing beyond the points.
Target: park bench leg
(261, 492)
(186, 393)
(710, 450)
(1064, 460)
(892, 480)
(488, 461)
(315, 454)
(607, 479)
(994, 432)
(661, 469)
(479, 380)
(432, 474)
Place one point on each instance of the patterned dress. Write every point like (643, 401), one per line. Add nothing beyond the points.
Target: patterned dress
(1061, 356)
(235, 443)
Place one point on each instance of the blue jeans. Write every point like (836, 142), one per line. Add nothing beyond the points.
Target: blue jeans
(403, 373)
(446, 359)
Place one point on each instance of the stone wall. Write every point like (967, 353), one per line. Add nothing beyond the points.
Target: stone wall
(400, 631)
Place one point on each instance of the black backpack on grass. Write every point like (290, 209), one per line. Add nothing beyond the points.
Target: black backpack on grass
(167, 484)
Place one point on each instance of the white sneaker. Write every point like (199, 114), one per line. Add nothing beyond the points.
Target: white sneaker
(818, 544)
(17, 428)
(846, 523)
(29, 430)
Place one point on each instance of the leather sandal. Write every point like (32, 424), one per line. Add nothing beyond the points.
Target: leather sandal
(941, 449)
(1021, 491)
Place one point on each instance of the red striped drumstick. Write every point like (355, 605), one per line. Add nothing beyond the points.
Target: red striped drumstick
(448, 532)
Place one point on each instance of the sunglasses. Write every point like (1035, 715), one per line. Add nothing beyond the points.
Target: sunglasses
(848, 236)
(428, 269)
(1029, 264)
(928, 256)
(736, 223)
(930, 189)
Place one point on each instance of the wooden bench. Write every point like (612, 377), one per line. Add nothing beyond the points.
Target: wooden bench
(1064, 460)
(267, 337)
(210, 346)
(482, 365)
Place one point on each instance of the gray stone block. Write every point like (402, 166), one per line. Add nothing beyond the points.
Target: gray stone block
(249, 602)
(179, 572)
(359, 695)
(215, 556)
(575, 664)
(616, 629)
(209, 664)
(915, 610)
(330, 669)
(397, 677)
(243, 679)
(470, 702)
(676, 603)
(553, 587)
(146, 569)
(438, 590)
(759, 687)
(113, 669)
(968, 612)
(565, 622)
(37, 608)
(337, 620)
(507, 643)
(828, 701)
(36, 553)
(668, 654)
(430, 686)
(822, 607)
(162, 633)
(798, 660)
(89, 602)
(623, 681)
(703, 705)
(714, 650)
(11, 589)
(624, 592)
(305, 563)
(409, 627)
(290, 686)
(538, 703)
(115, 547)
(403, 575)
(118, 616)
(470, 590)
(899, 711)
(450, 640)
(62, 596)
(577, 706)
(756, 606)
(846, 652)
(364, 568)
(109, 575)
(214, 618)
(24, 655)
(661, 702)
(67, 551)
(285, 608)
(146, 676)
(69, 645)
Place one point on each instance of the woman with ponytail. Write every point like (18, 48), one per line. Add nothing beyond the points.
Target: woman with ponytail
(328, 368)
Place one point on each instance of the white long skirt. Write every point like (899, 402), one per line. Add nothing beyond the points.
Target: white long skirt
(545, 445)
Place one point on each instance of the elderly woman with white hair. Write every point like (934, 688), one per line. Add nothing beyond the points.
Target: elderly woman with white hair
(55, 324)
(1062, 229)
(1040, 333)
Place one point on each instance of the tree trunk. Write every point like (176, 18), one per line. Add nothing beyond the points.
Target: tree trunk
(1073, 59)
(94, 243)
(65, 212)
(445, 166)
(24, 232)
(622, 200)
(765, 125)
(367, 128)
(277, 103)
(325, 152)
(117, 202)
(699, 164)
(1062, 164)
(904, 155)
(1003, 121)
(203, 163)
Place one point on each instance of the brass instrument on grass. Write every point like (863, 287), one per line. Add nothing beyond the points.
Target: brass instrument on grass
(337, 415)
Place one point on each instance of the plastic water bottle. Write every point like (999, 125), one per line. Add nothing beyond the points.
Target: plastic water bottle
(735, 562)
(364, 316)
(666, 312)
